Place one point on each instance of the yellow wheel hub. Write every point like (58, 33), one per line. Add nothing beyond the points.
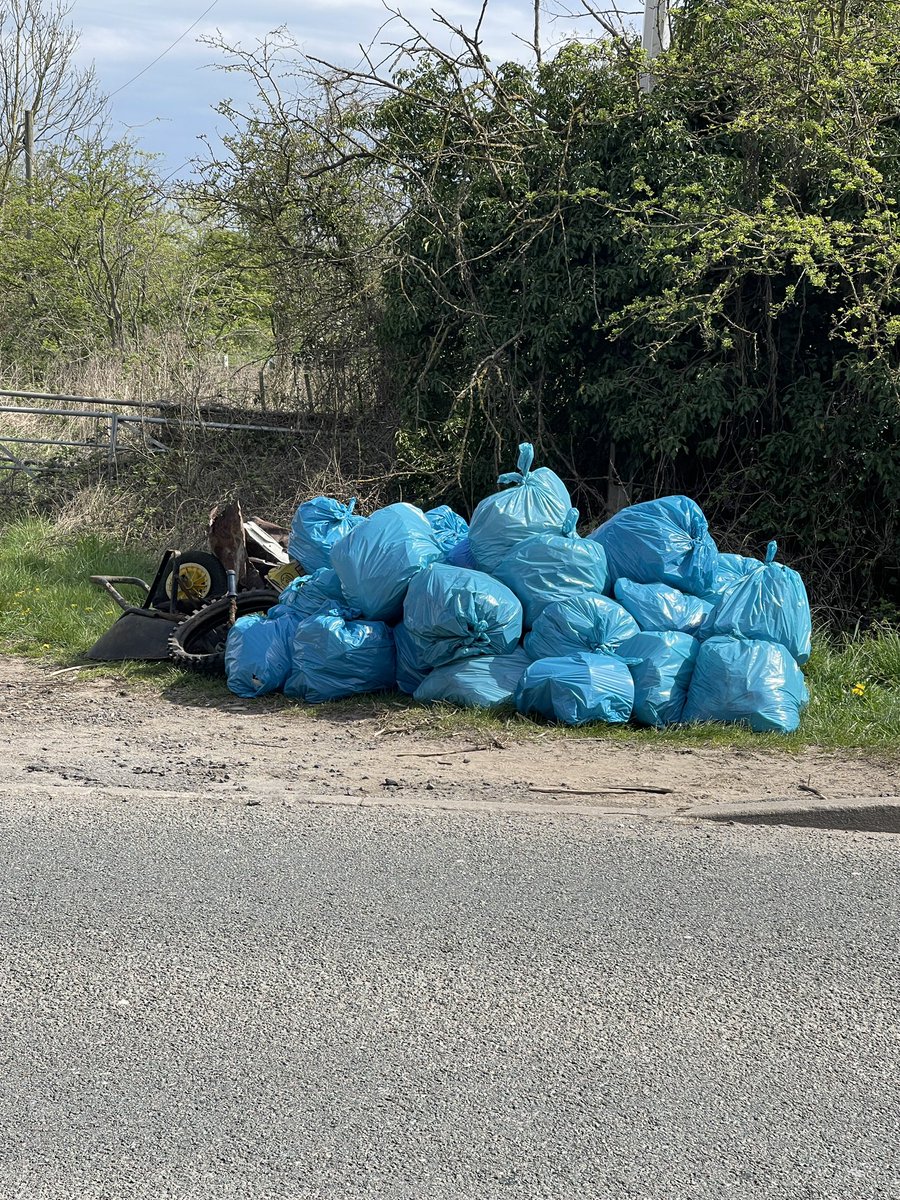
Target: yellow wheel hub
(194, 582)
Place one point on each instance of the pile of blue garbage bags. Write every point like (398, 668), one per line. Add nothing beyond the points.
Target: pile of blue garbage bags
(643, 620)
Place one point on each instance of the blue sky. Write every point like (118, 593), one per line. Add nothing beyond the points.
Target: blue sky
(170, 106)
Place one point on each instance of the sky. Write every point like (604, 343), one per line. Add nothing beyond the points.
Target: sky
(170, 105)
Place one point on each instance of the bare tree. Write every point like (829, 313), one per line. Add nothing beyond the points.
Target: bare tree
(38, 71)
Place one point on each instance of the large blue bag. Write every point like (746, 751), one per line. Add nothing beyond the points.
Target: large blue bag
(334, 657)
(461, 555)
(453, 613)
(377, 559)
(655, 606)
(448, 527)
(258, 654)
(577, 689)
(483, 682)
(536, 502)
(769, 604)
(661, 665)
(553, 566)
(310, 595)
(316, 526)
(588, 622)
(753, 683)
(409, 673)
(730, 569)
(661, 541)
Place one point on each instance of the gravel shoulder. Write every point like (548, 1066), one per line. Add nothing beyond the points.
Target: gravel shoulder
(60, 734)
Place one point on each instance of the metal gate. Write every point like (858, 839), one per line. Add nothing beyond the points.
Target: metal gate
(111, 429)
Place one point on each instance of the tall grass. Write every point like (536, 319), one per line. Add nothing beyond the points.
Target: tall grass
(48, 607)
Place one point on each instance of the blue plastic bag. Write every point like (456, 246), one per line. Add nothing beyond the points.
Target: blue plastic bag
(409, 673)
(310, 595)
(577, 689)
(753, 683)
(461, 555)
(483, 682)
(258, 654)
(448, 527)
(731, 569)
(334, 656)
(453, 613)
(536, 502)
(316, 526)
(661, 666)
(553, 566)
(655, 606)
(589, 622)
(661, 541)
(769, 604)
(377, 559)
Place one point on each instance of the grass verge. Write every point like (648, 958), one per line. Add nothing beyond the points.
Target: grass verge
(49, 610)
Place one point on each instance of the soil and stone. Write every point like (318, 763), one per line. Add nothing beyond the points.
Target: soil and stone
(61, 733)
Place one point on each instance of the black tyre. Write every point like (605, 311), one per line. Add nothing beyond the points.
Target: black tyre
(198, 643)
(201, 578)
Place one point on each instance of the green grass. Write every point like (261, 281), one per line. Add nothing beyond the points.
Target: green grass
(49, 610)
(48, 606)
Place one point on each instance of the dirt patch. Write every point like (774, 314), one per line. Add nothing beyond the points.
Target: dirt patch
(60, 733)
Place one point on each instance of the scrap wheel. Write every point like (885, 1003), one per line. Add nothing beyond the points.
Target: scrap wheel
(198, 643)
(200, 575)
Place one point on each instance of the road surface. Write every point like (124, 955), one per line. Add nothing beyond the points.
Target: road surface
(210, 1000)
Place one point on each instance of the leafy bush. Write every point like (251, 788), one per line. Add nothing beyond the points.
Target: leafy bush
(705, 275)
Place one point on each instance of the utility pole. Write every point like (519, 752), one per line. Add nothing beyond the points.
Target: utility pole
(655, 37)
(29, 148)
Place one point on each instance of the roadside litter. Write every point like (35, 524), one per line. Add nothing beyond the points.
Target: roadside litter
(642, 620)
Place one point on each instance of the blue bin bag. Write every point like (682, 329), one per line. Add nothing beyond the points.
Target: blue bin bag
(769, 604)
(377, 559)
(335, 656)
(553, 566)
(731, 569)
(752, 683)
(577, 689)
(484, 682)
(589, 622)
(409, 673)
(657, 607)
(661, 664)
(316, 526)
(461, 555)
(258, 654)
(310, 595)
(450, 613)
(535, 502)
(661, 541)
(448, 527)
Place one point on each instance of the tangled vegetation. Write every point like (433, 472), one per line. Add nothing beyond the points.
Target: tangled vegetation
(677, 282)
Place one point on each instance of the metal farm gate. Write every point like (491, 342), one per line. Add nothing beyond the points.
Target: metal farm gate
(111, 428)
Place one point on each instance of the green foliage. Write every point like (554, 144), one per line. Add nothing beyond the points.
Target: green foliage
(95, 257)
(48, 607)
(292, 197)
(90, 255)
(705, 275)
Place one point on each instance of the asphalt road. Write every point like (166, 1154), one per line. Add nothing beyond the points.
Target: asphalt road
(332, 1002)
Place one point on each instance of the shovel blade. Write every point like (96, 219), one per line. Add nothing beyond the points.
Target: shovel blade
(134, 638)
